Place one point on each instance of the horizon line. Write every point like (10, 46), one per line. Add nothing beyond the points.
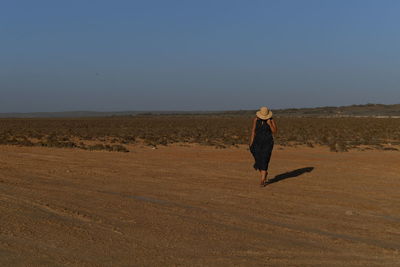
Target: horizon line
(190, 111)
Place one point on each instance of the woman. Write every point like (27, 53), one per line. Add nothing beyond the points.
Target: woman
(262, 141)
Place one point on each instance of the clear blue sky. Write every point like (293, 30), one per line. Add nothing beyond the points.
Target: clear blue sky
(197, 55)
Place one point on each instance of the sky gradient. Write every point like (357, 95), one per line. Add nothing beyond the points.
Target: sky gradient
(197, 55)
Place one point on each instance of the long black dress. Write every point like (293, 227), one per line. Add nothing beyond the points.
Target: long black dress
(262, 146)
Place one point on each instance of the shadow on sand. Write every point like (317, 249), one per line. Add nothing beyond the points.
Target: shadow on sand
(291, 174)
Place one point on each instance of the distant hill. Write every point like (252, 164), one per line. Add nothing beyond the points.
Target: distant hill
(368, 110)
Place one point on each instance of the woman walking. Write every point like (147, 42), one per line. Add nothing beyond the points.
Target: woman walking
(262, 141)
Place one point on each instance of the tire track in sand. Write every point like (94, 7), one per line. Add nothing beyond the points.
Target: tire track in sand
(332, 235)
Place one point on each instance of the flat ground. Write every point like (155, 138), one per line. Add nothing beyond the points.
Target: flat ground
(198, 206)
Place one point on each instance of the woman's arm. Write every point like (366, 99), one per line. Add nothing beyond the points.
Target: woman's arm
(253, 131)
(273, 126)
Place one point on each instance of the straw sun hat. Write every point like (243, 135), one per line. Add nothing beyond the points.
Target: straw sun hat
(264, 113)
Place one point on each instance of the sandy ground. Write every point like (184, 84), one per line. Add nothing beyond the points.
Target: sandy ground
(198, 206)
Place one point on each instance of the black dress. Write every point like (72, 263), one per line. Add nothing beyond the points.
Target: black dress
(262, 146)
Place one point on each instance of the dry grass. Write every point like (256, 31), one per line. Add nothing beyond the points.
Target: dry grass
(112, 133)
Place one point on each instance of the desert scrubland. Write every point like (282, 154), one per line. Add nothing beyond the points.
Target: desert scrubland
(184, 193)
(113, 133)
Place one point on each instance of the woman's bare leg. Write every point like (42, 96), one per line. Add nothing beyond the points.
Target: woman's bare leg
(263, 176)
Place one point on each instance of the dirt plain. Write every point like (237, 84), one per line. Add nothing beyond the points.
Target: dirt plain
(198, 206)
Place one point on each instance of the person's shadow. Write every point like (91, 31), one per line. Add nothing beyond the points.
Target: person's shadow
(290, 174)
